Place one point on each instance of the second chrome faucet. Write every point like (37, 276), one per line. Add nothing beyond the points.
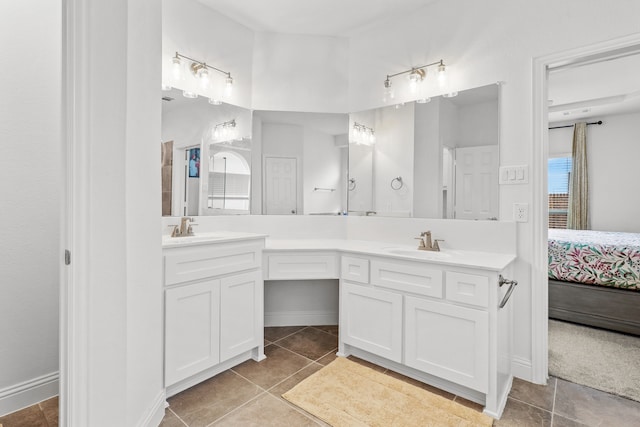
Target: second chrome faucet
(426, 244)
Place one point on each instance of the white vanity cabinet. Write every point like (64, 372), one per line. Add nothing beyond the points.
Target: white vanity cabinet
(437, 323)
(213, 309)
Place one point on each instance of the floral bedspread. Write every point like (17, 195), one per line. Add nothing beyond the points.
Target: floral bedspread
(595, 257)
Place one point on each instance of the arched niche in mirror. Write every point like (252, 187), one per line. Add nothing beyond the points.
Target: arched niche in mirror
(445, 152)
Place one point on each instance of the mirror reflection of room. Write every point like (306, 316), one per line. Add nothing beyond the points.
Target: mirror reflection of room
(436, 158)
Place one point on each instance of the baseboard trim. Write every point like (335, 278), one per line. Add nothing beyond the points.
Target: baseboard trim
(27, 393)
(301, 318)
(156, 412)
(522, 368)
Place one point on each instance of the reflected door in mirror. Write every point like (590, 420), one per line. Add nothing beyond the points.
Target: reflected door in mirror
(280, 182)
(476, 179)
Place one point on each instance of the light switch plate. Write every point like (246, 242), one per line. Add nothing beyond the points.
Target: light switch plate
(514, 174)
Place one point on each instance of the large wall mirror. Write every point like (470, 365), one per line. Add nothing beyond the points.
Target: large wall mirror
(436, 159)
(206, 157)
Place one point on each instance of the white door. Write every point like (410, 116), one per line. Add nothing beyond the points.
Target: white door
(192, 329)
(281, 185)
(448, 341)
(476, 189)
(240, 313)
(371, 320)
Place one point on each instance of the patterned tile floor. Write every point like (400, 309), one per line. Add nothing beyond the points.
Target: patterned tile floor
(249, 394)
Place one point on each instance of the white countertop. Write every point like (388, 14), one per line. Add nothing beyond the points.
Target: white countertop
(207, 238)
(475, 259)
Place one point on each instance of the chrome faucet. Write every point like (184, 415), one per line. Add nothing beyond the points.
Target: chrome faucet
(185, 227)
(426, 244)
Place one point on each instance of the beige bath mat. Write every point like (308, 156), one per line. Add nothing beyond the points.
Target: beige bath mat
(345, 393)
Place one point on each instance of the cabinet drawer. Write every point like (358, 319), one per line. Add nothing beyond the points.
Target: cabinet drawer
(196, 263)
(355, 269)
(408, 277)
(468, 289)
(310, 265)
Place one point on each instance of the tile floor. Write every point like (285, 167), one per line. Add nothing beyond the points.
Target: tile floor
(249, 394)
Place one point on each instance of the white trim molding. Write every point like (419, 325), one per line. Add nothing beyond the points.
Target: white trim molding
(24, 394)
(540, 154)
(155, 414)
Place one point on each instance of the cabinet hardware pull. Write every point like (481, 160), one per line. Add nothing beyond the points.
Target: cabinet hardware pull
(512, 285)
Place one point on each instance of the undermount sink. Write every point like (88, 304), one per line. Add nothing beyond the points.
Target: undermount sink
(419, 254)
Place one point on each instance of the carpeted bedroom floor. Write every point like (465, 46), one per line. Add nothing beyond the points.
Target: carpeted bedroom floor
(599, 359)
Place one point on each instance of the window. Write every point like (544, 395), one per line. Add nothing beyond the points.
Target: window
(559, 170)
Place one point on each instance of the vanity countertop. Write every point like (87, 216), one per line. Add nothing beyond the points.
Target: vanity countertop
(207, 238)
(460, 258)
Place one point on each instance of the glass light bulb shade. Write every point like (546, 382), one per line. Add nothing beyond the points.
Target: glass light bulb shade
(388, 94)
(176, 69)
(442, 75)
(214, 101)
(203, 76)
(188, 94)
(228, 86)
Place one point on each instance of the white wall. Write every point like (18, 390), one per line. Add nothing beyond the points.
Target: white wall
(427, 158)
(322, 161)
(612, 153)
(477, 124)
(394, 139)
(194, 30)
(300, 73)
(486, 42)
(30, 180)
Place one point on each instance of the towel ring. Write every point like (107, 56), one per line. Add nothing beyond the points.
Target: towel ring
(396, 183)
(352, 184)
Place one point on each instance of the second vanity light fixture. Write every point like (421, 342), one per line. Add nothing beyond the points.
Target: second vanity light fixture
(362, 134)
(200, 70)
(416, 76)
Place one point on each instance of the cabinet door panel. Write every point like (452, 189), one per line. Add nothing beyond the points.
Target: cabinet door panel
(240, 313)
(371, 319)
(448, 341)
(192, 329)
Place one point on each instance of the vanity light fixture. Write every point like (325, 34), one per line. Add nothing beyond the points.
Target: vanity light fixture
(200, 70)
(362, 134)
(416, 76)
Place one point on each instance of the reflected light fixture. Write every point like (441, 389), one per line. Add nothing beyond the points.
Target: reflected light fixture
(362, 134)
(416, 76)
(200, 70)
(224, 131)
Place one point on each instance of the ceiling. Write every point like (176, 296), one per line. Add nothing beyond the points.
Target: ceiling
(338, 18)
(597, 88)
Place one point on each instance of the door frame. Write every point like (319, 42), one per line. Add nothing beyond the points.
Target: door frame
(540, 217)
(299, 189)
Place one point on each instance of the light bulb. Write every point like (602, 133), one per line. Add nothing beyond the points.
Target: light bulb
(203, 76)
(415, 77)
(388, 91)
(442, 74)
(228, 88)
(176, 68)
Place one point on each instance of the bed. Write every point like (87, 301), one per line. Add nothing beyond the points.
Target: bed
(594, 278)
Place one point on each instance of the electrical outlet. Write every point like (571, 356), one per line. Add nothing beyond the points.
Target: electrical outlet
(521, 212)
